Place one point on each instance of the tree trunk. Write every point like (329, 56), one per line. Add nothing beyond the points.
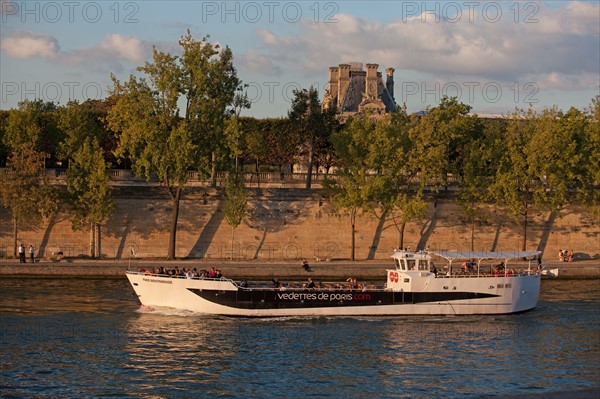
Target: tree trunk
(310, 162)
(213, 171)
(353, 223)
(472, 234)
(232, 240)
(15, 236)
(98, 240)
(174, 217)
(524, 247)
(92, 239)
(401, 235)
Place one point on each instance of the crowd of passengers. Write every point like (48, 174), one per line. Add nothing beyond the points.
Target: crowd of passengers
(351, 283)
(183, 272)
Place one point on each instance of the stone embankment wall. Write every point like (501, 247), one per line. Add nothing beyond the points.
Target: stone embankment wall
(292, 224)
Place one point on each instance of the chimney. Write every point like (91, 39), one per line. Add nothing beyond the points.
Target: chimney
(333, 87)
(343, 83)
(389, 83)
(371, 81)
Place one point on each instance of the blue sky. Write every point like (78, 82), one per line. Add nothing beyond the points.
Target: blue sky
(492, 55)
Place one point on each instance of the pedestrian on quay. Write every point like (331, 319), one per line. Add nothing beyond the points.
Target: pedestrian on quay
(32, 253)
(22, 253)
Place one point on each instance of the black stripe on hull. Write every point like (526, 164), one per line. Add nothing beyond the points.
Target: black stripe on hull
(271, 299)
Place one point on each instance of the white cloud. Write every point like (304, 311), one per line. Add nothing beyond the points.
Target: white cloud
(109, 54)
(560, 46)
(112, 53)
(25, 45)
(253, 62)
(125, 47)
(566, 81)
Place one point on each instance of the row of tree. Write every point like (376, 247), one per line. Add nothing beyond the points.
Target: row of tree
(183, 114)
(525, 162)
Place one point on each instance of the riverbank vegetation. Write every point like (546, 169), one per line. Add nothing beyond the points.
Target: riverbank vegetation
(182, 115)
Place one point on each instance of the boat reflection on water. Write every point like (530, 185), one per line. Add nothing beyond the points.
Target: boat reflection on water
(178, 345)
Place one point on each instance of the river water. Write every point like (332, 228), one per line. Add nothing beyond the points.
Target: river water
(72, 338)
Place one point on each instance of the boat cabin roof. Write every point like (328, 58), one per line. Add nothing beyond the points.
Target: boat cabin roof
(452, 255)
(403, 254)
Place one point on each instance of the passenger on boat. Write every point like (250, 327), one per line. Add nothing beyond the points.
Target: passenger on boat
(468, 267)
(499, 269)
(311, 283)
(353, 283)
(433, 269)
(471, 266)
(243, 283)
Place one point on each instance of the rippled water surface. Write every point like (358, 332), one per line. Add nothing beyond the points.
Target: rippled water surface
(66, 338)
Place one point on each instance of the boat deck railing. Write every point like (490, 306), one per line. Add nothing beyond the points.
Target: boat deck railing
(329, 286)
(300, 286)
(179, 276)
(486, 275)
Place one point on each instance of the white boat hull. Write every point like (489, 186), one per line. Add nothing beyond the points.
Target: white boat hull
(434, 296)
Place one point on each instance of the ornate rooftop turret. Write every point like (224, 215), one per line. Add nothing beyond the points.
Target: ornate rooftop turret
(353, 90)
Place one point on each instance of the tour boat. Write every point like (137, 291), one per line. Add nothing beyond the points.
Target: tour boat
(414, 287)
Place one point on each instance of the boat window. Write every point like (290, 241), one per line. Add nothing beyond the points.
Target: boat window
(397, 262)
(411, 264)
(423, 265)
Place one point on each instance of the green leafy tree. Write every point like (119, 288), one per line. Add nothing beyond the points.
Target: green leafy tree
(233, 127)
(4, 150)
(593, 134)
(399, 194)
(24, 188)
(155, 137)
(474, 181)
(439, 140)
(473, 167)
(593, 140)
(559, 153)
(88, 176)
(236, 200)
(282, 142)
(512, 185)
(307, 116)
(543, 164)
(354, 184)
(438, 144)
(90, 197)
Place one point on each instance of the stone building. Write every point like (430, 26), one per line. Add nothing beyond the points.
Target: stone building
(353, 90)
